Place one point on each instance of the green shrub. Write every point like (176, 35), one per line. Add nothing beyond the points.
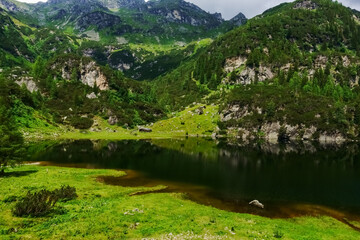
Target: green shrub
(65, 193)
(278, 234)
(270, 109)
(283, 137)
(357, 115)
(35, 204)
(81, 122)
(42, 202)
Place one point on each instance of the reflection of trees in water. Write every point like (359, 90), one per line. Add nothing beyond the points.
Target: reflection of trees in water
(200, 149)
(265, 171)
(345, 155)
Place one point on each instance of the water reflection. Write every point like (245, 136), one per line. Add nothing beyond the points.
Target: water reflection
(228, 173)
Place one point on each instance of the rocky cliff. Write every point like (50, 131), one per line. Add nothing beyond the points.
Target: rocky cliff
(84, 70)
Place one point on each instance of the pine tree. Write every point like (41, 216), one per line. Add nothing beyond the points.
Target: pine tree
(38, 67)
(10, 139)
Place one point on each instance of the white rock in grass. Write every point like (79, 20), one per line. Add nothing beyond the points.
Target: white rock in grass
(256, 203)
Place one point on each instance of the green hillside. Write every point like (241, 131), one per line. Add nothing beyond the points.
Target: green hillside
(290, 73)
(295, 52)
(202, 115)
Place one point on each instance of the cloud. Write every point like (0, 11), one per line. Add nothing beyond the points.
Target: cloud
(230, 8)
(351, 3)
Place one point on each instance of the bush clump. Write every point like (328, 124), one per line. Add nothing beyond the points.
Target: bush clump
(81, 122)
(42, 202)
(65, 193)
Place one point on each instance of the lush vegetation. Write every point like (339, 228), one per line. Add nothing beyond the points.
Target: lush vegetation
(291, 104)
(10, 139)
(286, 35)
(313, 71)
(90, 71)
(304, 61)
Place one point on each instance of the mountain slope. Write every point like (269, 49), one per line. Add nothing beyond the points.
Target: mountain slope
(14, 41)
(121, 34)
(307, 48)
(289, 73)
(291, 34)
(165, 19)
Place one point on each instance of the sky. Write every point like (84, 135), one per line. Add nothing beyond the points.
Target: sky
(230, 8)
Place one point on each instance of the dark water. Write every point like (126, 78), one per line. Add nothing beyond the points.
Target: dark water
(290, 180)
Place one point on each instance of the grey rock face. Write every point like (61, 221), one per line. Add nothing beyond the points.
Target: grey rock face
(92, 76)
(306, 4)
(183, 12)
(91, 96)
(116, 4)
(29, 83)
(10, 6)
(239, 19)
(99, 19)
(274, 131)
(89, 72)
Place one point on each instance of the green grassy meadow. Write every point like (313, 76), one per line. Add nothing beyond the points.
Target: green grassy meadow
(112, 212)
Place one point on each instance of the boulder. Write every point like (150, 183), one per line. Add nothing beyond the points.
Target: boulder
(256, 203)
(113, 120)
(214, 135)
(143, 129)
(199, 111)
(91, 96)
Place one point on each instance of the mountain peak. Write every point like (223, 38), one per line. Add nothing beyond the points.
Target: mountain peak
(239, 19)
(12, 5)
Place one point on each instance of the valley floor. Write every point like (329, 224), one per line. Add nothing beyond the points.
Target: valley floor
(113, 212)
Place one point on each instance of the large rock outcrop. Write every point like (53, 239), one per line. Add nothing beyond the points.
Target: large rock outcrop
(29, 83)
(180, 11)
(273, 131)
(92, 76)
(99, 19)
(306, 4)
(84, 70)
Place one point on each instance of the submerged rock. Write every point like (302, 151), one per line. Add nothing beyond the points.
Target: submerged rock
(256, 203)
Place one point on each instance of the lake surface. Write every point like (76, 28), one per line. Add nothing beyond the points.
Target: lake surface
(290, 180)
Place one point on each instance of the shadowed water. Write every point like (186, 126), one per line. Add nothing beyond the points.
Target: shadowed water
(291, 180)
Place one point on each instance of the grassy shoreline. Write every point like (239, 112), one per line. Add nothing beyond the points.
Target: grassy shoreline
(186, 123)
(110, 212)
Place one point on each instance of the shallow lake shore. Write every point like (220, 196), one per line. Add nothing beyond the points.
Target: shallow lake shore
(104, 211)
